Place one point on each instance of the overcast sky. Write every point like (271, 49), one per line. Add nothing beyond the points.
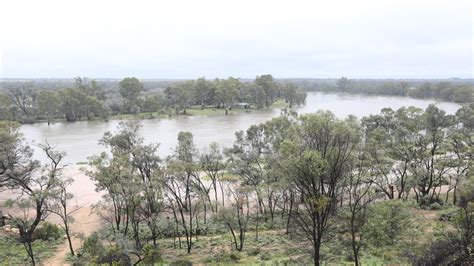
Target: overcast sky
(190, 39)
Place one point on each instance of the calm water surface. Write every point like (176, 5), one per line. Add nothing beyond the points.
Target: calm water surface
(80, 139)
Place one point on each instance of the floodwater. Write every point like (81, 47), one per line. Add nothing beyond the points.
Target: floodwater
(80, 139)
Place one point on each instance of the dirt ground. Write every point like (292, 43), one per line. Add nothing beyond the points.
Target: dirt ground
(85, 221)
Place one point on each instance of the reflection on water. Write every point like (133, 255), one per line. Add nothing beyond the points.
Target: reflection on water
(80, 139)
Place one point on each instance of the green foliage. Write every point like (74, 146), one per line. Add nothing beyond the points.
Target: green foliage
(387, 222)
(48, 231)
(12, 251)
(92, 247)
(151, 255)
(224, 257)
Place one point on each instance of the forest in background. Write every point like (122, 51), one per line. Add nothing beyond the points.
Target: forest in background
(44, 100)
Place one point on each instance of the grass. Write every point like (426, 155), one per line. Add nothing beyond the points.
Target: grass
(197, 110)
(274, 247)
(12, 252)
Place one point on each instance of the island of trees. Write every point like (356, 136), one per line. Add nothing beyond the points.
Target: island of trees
(86, 99)
(395, 187)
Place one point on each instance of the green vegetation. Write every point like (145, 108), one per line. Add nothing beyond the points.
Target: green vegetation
(85, 99)
(12, 251)
(395, 187)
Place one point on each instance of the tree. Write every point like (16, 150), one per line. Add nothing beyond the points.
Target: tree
(59, 205)
(132, 178)
(461, 143)
(293, 95)
(358, 196)
(24, 98)
(390, 143)
(204, 91)
(130, 89)
(227, 91)
(318, 156)
(212, 163)
(151, 104)
(6, 112)
(90, 87)
(49, 104)
(235, 218)
(343, 84)
(465, 218)
(181, 181)
(36, 189)
(269, 87)
(430, 163)
(180, 95)
(76, 104)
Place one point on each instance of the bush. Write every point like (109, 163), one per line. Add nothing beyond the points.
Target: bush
(115, 256)
(448, 214)
(435, 206)
(47, 231)
(92, 247)
(181, 262)
(224, 257)
(253, 251)
(151, 255)
(387, 221)
(430, 203)
(439, 252)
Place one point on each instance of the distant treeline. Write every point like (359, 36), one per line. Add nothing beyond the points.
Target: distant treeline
(45, 100)
(454, 90)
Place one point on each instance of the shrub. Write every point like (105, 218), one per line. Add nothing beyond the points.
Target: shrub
(151, 255)
(435, 206)
(387, 221)
(430, 203)
(253, 251)
(92, 247)
(114, 256)
(181, 262)
(224, 257)
(47, 231)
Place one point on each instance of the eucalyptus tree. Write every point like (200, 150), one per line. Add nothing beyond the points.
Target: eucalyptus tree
(151, 104)
(90, 87)
(132, 178)
(461, 145)
(60, 205)
(227, 91)
(130, 89)
(76, 104)
(269, 86)
(317, 161)
(390, 142)
(49, 104)
(246, 159)
(235, 217)
(6, 110)
(204, 91)
(183, 184)
(358, 195)
(34, 184)
(213, 164)
(24, 98)
(465, 219)
(431, 163)
(181, 95)
(293, 95)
